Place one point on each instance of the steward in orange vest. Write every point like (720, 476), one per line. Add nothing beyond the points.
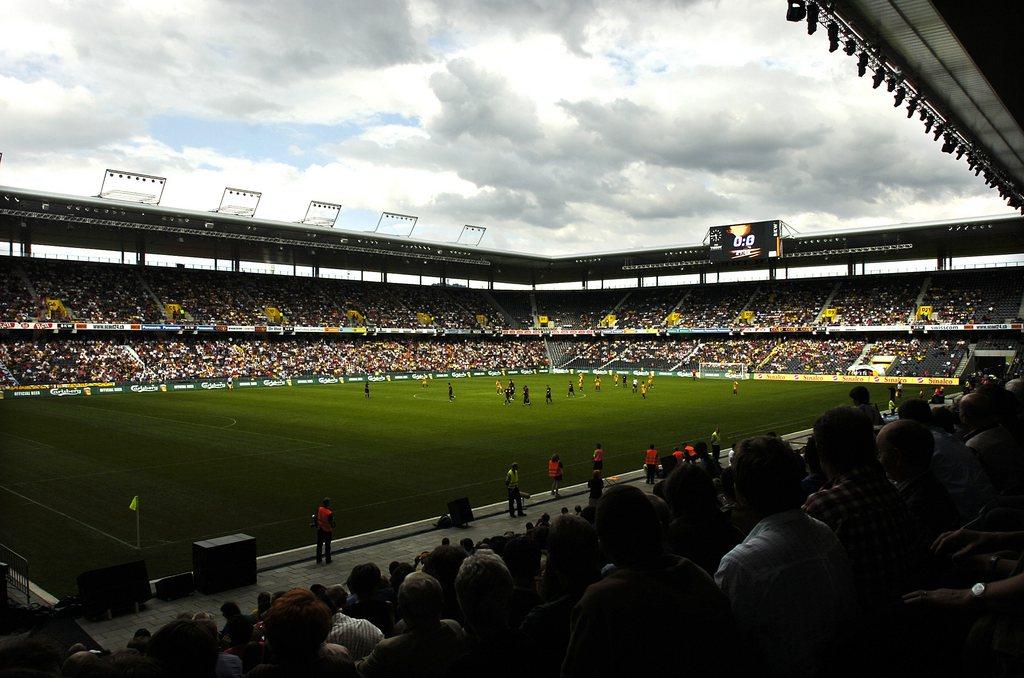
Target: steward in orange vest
(651, 464)
(555, 471)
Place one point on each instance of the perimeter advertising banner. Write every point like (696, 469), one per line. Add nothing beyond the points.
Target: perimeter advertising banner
(855, 379)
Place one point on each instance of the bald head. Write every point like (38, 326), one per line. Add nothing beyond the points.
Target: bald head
(905, 448)
(1016, 387)
(977, 411)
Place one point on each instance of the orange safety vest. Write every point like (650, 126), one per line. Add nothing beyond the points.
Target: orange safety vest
(652, 456)
(323, 519)
(690, 451)
(553, 470)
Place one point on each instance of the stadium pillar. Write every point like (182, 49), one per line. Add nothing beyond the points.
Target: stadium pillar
(26, 239)
(236, 264)
(140, 250)
(771, 273)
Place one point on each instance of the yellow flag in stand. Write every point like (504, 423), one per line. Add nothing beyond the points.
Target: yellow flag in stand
(135, 503)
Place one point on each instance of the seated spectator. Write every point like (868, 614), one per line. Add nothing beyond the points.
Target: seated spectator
(358, 636)
(443, 565)
(862, 401)
(994, 646)
(30, 654)
(699, 529)
(484, 588)
(905, 449)
(297, 625)
(867, 514)
(649, 593)
(953, 463)
(815, 478)
(262, 606)
(365, 584)
(789, 582)
(186, 649)
(1000, 455)
(572, 566)
(522, 557)
(228, 665)
(429, 644)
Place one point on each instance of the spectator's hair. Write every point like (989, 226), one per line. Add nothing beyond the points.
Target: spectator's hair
(811, 459)
(522, 557)
(239, 630)
(1015, 387)
(589, 514)
(467, 544)
(913, 440)
(917, 410)
(263, 602)
(185, 649)
(365, 579)
(662, 510)
(398, 576)
(860, 395)
(420, 600)
(445, 541)
(206, 623)
(845, 439)
(690, 493)
(977, 408)
(484, 590)
(573, 557)
(768, 475)
(540, 535)
(336, 596)
(945, 418)
(296, 626)
(134, 665)
(31, 653)
(1004, 403)
(230, 609)
(443, 565)
(627, 526)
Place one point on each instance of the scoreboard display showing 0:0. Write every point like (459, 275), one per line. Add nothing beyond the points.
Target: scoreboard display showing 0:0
(758, 240)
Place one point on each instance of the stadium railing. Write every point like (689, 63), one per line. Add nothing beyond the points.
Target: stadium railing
(17, 572)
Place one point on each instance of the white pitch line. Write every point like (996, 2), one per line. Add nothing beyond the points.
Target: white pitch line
(71, 518)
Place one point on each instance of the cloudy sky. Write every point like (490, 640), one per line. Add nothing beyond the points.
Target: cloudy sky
(562, 126)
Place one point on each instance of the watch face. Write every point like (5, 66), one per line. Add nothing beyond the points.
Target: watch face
(977, 590)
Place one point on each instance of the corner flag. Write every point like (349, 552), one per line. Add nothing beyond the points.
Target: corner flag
(135, 503)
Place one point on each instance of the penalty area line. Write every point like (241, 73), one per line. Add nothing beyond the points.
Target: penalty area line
(64, 515)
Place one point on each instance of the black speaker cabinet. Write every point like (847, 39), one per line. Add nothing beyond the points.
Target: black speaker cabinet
(176, 586)
(224, 563)
(113, 589)
(460, 511)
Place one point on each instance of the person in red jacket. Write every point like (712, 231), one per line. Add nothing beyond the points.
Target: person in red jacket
(651, 464)
(324, 523)
(598, 458)
(555, 472)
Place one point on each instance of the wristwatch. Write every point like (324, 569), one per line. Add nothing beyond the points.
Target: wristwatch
(977, 591)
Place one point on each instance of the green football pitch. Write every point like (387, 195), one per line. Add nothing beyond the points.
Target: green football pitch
(258, 461)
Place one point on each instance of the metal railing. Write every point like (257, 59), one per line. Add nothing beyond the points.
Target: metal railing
(17, 574)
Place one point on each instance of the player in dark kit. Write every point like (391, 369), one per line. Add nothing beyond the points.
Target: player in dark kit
(366, 389)
(547, 395)
(508, 395)
(526, 395)
(451, 393)
(572, 391)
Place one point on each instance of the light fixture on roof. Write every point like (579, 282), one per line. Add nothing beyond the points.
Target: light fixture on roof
(797, 10)
(862, 64)
(132, 187)
(239, 202)
(878, 77)
(812, 18)
(850, 47)
(901, 94)
(833, 36)
(912, 106)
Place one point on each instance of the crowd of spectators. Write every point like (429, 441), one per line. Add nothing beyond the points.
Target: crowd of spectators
(921, 357)
(81, 361)
(813, 356)
(975, 297)
(123, 293)
(876, 300)
(621, 354)
(750, 352)
(893, 549)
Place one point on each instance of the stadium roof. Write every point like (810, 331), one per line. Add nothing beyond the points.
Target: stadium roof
(966, 58)
(93, 223)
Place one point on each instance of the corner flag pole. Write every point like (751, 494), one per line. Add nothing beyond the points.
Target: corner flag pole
(134, 506)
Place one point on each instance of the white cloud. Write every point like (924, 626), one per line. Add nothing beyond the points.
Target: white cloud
(562, 125)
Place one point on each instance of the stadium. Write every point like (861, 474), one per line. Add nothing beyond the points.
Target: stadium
(182, 389)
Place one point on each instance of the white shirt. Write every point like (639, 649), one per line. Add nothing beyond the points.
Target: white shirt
(791, 590)
(358, 636)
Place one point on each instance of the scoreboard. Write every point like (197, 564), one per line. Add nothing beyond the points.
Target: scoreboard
(758, 240)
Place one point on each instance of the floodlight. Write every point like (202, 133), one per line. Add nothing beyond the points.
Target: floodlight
(901, 94)
(132, 187)
(939, 129)
(960, 151)
(471, 235)
(797, 10)
(949, 144)
(877, 79)
(812, 18)
(239, 202)
(833, 36)
(862, 64)
(321, 213)
(850, 48)
(929, 121)
(392, 223)
(912, 106)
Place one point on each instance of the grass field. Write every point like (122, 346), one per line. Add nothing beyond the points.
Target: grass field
(257, 461)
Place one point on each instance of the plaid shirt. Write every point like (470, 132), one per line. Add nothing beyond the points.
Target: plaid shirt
(876, 528)
(357, 635)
